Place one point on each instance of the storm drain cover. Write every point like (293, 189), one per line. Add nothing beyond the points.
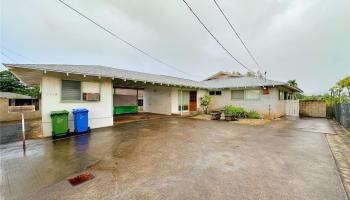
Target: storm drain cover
(81, 178)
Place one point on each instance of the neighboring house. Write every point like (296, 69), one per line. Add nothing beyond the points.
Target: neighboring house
(8, 100)
(222, 74)
(93, 87)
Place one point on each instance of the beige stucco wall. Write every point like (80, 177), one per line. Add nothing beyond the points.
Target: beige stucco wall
(313, 108)
(5, 116)
(100, 112)
(267, 103)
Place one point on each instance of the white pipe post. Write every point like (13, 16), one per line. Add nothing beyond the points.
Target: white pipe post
(23, 132)
(181, 107)
(137, 99)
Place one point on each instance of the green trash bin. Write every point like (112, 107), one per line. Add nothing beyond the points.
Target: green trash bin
(59, 123)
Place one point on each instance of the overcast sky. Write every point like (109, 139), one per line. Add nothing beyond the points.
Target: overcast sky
(306, 40)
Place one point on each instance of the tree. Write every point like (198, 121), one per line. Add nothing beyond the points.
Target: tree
(345, 83)
(9, 83)
(292, 83)
(250, 74)
(205, 102)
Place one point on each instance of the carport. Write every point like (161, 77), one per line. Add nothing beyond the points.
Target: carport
(135, 100)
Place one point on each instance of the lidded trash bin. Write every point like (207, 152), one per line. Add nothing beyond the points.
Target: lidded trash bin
(59, 121)
(81, 120)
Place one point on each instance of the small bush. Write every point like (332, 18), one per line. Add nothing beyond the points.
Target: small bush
(253, 114)
(235, 111)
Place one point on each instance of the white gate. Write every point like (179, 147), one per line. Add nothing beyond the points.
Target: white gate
(292, 108)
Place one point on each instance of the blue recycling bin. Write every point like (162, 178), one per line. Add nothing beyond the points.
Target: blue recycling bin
(81, 120)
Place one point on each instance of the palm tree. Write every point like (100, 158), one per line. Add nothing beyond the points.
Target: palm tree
(292, 83)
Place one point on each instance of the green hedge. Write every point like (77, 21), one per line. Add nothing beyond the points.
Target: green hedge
(239, 112)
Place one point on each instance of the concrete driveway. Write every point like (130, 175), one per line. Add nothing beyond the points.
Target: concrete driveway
(179, 158)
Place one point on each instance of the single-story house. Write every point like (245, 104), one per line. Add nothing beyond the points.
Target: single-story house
(9, 100)
(94, 87)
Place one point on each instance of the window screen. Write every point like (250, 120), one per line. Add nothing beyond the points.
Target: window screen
(211, 93)
(252, 94)
(71, 90)
(237, 94)
(217, 92)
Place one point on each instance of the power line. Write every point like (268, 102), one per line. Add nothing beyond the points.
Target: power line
(213, 36)
(234, 30)
(123, 40)
(8, 57)
(18, 54)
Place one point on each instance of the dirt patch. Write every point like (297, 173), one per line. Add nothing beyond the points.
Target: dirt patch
(135, 117)
(254, 122)
(340, 146)
(202, 117)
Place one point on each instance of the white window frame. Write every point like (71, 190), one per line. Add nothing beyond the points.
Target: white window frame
(237, 98)
(258, 92)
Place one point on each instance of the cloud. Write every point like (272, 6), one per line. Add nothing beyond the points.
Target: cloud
(292, 39)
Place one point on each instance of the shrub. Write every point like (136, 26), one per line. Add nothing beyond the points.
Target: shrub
(205, 102)
(235, 111)
(253, 114)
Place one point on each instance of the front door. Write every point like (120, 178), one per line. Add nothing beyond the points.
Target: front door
(193, 100)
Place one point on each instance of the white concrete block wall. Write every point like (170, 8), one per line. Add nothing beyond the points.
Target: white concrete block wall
(175, 100)
(277, 107)
(157, 100)
(100, 112)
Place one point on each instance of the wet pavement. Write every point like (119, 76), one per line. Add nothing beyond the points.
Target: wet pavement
(136, 117)
(12, 131)
(340, 145)
(178, 158)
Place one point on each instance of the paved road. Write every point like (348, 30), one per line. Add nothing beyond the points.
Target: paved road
(178, 158)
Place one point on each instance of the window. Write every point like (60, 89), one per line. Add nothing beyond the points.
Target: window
(140, 102)
(281, 95)
(212, 93)
(71, 90)
(237, 94)
(185, 101)
(285, 95)
(24, 102)
(252, 94)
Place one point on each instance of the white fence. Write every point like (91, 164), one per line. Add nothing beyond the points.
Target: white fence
(292, 108)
